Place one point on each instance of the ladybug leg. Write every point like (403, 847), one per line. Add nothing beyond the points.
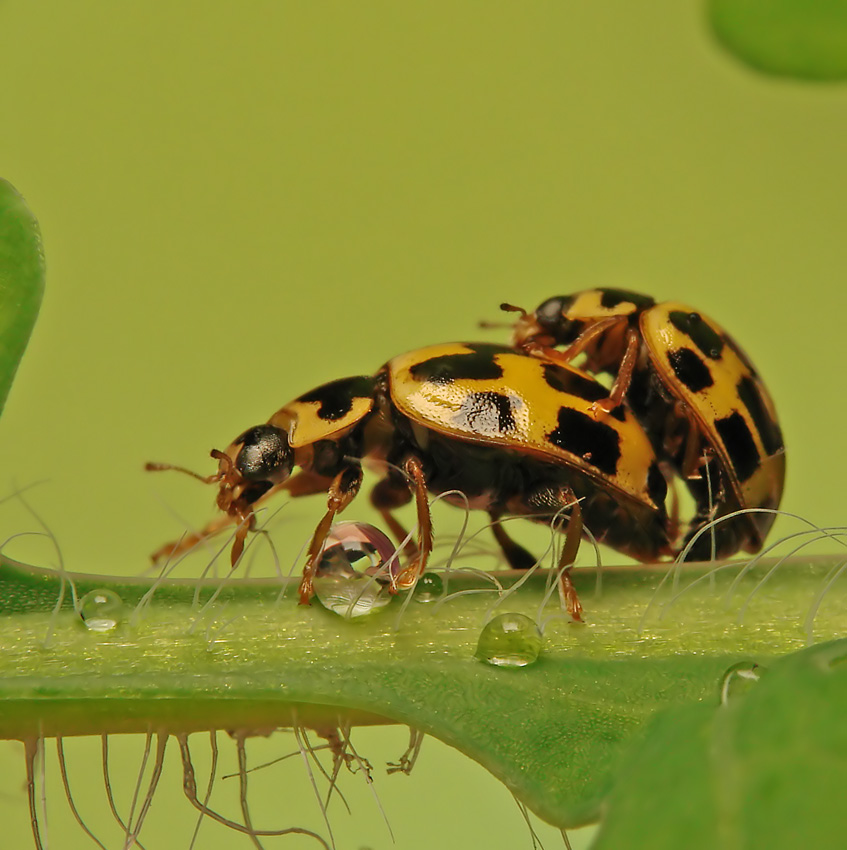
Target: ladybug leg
(589, 335)
(177, 547)
(518, 557)
(388, 495)
(302, 484)
(306, 483)
(189, 541)
(673, 514)
(692, 457)
(416, 567)
(624, 377)
(342, 491)
(573, 534)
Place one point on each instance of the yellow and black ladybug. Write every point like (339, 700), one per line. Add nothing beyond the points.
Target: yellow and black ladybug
(694, 390)
(516, 435)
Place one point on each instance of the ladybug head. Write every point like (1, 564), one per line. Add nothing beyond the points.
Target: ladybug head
(256, 461)
(552, 317)
(550, 323)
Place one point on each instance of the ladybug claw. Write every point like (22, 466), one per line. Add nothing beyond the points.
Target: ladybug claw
(307, 591)
(407, 578)
(605, 406)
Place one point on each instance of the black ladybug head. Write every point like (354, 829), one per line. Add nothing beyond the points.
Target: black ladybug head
(551, 316)
(265, 455)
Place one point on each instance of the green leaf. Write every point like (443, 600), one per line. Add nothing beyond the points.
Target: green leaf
(806, 39)
(21, 281)
(553, 732)
(766, 769)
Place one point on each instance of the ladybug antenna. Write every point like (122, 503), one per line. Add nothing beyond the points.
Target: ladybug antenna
(511, 308)
(161, 467)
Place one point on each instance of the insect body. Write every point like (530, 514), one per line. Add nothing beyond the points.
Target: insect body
(693, 389)
(514, 434)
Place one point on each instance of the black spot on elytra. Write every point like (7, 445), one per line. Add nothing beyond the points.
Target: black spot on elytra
(690, 369)
(478, 365)
(700, 331)
(566, 381)
(768, 429)
(486, 413)
(336, 398)
(597, 443)
(489, 349)
(611, 298)
(657, 485)
(738, 440)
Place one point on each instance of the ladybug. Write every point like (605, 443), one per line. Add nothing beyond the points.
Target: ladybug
(516, 435)
(695, 392)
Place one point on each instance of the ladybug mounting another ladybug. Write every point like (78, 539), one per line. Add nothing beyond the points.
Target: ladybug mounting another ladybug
(696, 393)
(519, 431)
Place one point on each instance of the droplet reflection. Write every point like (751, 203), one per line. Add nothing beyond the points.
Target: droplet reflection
(509, 640)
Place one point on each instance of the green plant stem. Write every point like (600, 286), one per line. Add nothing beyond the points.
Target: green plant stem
(250, 661)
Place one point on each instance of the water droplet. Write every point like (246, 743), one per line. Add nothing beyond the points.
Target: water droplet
(429, 587)
(355, 553)
(738, 679)
(101, 610)
(509, 640)
(351, 597)
(353, 549)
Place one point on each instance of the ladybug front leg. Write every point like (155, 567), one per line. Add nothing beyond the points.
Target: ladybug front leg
(342, 491)
(189, 541)
(580, 344)
(624, 377)
(417, 565)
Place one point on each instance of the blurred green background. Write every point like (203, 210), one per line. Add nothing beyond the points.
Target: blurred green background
(242, 201)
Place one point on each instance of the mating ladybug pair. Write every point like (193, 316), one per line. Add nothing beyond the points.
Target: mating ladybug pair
(518, 431)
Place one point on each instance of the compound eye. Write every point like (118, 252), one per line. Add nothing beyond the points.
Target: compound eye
(265, 454)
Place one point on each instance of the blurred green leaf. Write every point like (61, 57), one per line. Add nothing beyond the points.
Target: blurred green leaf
(806, 39)
(764, 770)
(21, 281)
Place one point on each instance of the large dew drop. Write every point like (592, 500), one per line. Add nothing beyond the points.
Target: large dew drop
(509, 640)
(101, 610)
(354, 554)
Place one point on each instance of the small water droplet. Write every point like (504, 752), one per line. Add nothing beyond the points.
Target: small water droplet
(738, 679)
(509, 640)
(351, 597)
(429, 587)
(101, 610)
